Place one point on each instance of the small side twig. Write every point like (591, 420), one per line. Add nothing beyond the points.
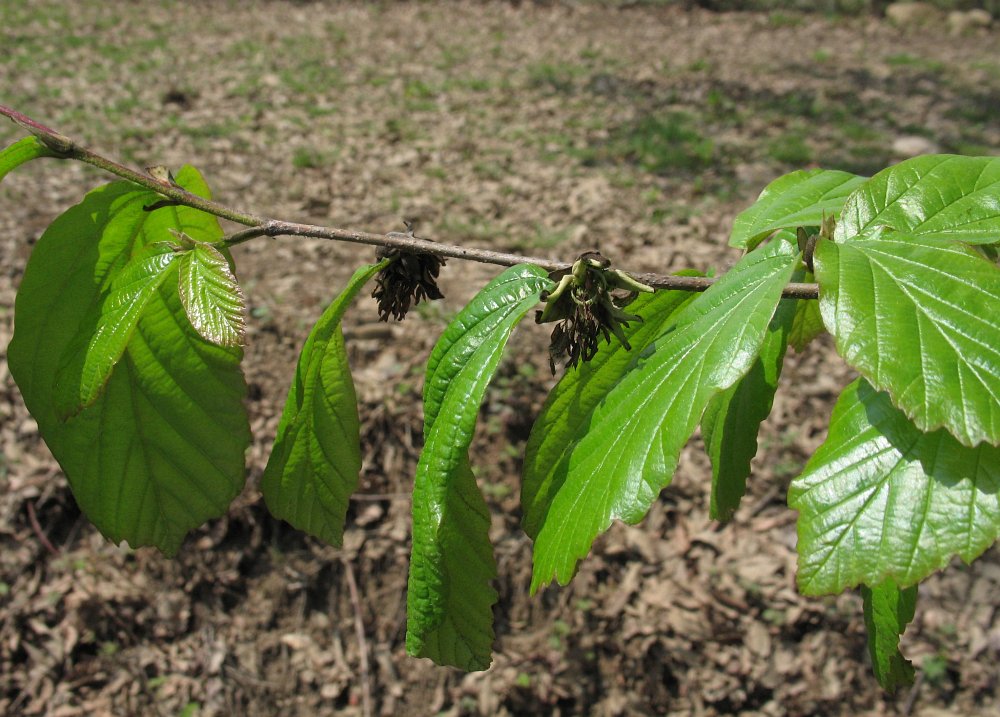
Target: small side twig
(66, 148)
(359, 630)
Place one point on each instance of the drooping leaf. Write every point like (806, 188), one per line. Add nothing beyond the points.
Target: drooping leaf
(808, 322)
(314, 465)
(626, 449)
(917, 318)
(101, 338)
(581, 388)
(938, 196)
(888, 610)
(799, 199)
(162, 449)
(24, 150)
(881, 499)
(211, 296)
(732, 418)
(449, 598)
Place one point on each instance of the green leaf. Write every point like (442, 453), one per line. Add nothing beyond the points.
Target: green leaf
(449, 598)
(918, 319)
(162, 449)
(626, 448)
(808, 322)
(881, 499)
(101, 338)
(799, 199)
(888, 610)
(24, 150)
(211, 295)
(316, 459)
(938, 196)
(578, 392)
(732, 419)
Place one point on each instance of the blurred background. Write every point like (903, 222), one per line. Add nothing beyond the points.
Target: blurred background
(549, 128)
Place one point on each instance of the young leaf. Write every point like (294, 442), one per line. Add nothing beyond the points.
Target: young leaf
(162, 449)
(314, 465)
(449, 599)
(933, 196)
(917, 318)
(880, 499)
(626, 448)
(732, 418)
(799, 199)
(101, 338)
(888, 610)
(211, 296)
(581, 388)
(24, 150)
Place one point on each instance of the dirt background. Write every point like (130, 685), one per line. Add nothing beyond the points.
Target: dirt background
(637, 128)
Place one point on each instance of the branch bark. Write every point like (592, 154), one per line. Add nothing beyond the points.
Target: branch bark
(258, 226)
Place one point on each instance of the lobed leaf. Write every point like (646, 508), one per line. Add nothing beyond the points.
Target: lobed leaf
(316, 459)
(569, 404)
(882, 500)
(938, 196)
(162, 449)
(626, 448)
(732, 418)
(799, 199)
(918, 319)
(449, 598)
(24, 150)
(211, 296)
(888, 610)
(102, 336)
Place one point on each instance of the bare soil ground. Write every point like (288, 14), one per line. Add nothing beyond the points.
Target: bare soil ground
(550, 130)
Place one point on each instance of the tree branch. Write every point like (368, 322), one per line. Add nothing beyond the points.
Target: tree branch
(258, 225)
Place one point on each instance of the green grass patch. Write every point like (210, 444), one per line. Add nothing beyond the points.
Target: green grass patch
(662, 144)
(791, 148)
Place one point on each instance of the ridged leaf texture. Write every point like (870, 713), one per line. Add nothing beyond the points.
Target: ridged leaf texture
(211, 296)
(316, 459)
(888, 610)
(161, 450)
(626, 448)
(450, 598)
(882, 500)
(732, 419)
(101, 338)
(917, 317)
(933, 196)
(569, 404)
(24, 150)
(799, 199)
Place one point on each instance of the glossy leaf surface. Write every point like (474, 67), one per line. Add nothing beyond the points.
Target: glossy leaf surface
(626, 449)
(882, 500)
(24, 150)
(888, 610)
(211, 296)
(161, 450)
(732, 418)
(569, 404)
(938, 196)
(449, 598)
(917, 318)
(799, 199)
(316, 459)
